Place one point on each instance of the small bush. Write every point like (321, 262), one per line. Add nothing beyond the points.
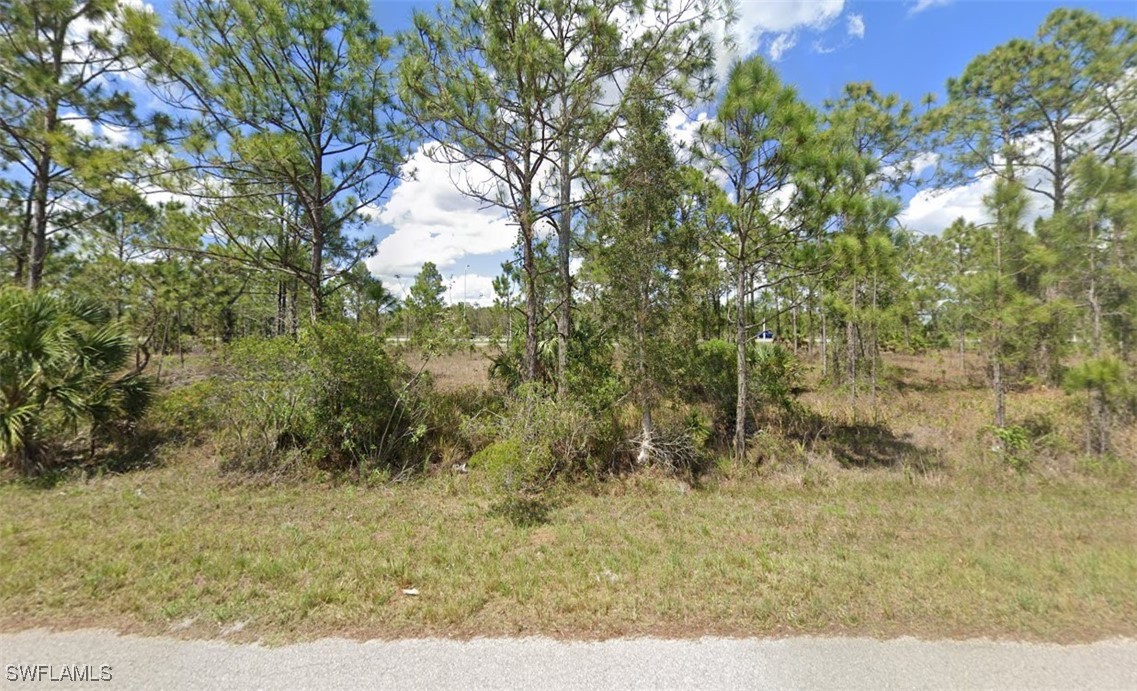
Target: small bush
(360, 406)
(1014, 446)
(591, 376)
(1110, 394)
(62, 380)
(333, 398)
(775, 373)
(713, 377)
(504, 462)
(535, 439)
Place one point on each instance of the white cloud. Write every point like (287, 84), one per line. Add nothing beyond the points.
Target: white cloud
(775, 204)
(756, 18)
(923, 161)
(784, 18)
(822, 49)
(473, 289)
(684, 129)
(81, 125)
(115, 135)
(781, 44)
(854, 30)
(921, 5)
(98, 42)
(81, 32)
(432, 220)
(931, 211)
(916, 165)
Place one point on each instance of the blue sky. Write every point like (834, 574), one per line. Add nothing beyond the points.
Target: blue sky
(913, 53)
(910, 48)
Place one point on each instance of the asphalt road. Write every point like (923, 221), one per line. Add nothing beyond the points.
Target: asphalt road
(537, 663)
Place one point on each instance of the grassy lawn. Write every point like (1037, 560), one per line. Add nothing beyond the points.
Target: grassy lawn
(179, 550)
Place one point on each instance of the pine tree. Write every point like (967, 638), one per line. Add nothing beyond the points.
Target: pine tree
(61, 70)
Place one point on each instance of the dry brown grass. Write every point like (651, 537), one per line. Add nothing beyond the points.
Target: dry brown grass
(932, 417)
(463, 369)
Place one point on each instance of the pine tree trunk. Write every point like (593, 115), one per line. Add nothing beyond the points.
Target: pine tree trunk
(37, 253)
(824, 339)
(647, 428)
(564, 246)
(1094, 300)
(181, 352)
(1000, 392)
(777, 315)
(294, 308)
(315, 278)
(647, 437)
(320, 229)
(1103, 425)
(740, 342)
(529, 262)
(18, 275)
(1097, 432)
(874, 353)
(794, 317)
(809, 331)
(851, 354)
(997, 364)
(962, 355)
(281, 308)
(41, 179)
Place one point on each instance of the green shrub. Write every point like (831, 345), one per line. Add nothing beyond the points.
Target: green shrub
(359, 406)
(507, 366)
(60, 373)
(333, 398)
(774, 374)
(265, 395)
(713, 378)
(536, 438)
(1109, 392)
(1015, 446)
(592, 377)
(503, 462)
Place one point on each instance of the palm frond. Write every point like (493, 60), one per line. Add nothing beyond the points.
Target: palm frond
(104, 349)
(58, 361)
(14, 427)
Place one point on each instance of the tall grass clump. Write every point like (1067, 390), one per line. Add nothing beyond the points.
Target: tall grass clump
(537, 438)
(332, 399)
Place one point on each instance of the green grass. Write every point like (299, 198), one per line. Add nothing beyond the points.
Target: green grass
(876, 553)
